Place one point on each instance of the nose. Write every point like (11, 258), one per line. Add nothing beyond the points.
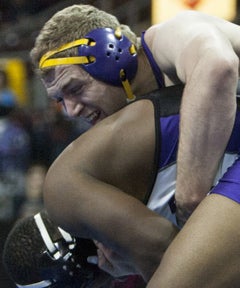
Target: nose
(73, 108)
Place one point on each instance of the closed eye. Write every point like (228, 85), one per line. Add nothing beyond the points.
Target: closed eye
(75, 90)
(59, 99)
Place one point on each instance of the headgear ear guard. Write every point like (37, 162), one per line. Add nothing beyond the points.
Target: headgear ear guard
(106, 54)
(61, 261)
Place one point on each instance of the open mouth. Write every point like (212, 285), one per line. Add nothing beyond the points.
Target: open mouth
(93, 117)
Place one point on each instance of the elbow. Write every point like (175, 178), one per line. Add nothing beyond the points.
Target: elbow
(223, 72)
(64, 196)
(230, 69)
(54, 195)
(51, 201)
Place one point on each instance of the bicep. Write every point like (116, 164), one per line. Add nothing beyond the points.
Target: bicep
(90, 208)
(75, 191)
(195, 36)
(84, 188)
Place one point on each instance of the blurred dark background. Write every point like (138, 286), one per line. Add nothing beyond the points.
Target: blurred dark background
(33, 130)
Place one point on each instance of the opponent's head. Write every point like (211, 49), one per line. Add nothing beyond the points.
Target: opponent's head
(39, 254)
(83, 34)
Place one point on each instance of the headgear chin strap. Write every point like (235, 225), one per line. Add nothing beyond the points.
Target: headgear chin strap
(53, 251)
(41, 284)
(106, 54)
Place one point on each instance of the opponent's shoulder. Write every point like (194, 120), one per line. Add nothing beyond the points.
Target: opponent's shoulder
(112, 140)
(128, 128)
(131, 116)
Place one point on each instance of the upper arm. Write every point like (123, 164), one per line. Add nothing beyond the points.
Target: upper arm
(84, 186)
(189, 40)
(85, 196)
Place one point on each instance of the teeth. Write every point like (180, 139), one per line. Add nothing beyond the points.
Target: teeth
(93, 116)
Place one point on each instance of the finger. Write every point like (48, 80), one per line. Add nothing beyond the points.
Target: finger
(103, 262)
(108, 252)
(99, 245)
(92, 260)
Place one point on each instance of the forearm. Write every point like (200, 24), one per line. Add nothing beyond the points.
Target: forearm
(148, 253)
(103, 212)
(154, 246)
(207, 118)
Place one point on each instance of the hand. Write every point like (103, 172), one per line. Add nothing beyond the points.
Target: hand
(182, 215)
(184, 210)
(111, 262)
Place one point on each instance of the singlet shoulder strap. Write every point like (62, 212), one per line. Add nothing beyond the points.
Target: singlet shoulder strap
(156, 70)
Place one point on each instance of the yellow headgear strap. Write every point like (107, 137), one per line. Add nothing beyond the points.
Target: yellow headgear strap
(45, 62)
(127, 86)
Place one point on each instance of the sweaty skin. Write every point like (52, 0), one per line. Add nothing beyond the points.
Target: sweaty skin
(208, 98)
(104, 167)
(205, 56)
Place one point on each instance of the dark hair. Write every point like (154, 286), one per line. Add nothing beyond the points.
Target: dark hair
(27, 261)
(22, 248)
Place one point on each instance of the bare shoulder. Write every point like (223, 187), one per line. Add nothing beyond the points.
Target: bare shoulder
(126, 120)
(128, 126)
(193, 33)
(115, 137)
(133, 111)
(119, 150)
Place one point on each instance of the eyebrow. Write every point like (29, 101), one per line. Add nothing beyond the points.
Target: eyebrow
(72, 84)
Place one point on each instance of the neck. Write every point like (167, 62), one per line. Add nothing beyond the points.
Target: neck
(144, 81)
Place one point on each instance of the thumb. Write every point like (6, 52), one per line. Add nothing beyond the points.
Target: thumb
(92, 259)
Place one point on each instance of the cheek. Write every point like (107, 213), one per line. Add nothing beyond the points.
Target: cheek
(109, 98)
(95, 91)
(119, 96)
(115, 102)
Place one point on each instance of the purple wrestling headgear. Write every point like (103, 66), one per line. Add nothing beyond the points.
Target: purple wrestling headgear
(106, 54)
(113, 52)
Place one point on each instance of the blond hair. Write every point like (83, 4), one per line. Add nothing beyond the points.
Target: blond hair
(73, 23)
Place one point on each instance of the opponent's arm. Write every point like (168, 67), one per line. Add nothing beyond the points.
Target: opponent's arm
(202, 57)
(197, 256)
(84, 188)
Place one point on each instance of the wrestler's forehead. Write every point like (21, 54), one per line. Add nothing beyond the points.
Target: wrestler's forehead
(60, 76)
(65, 76)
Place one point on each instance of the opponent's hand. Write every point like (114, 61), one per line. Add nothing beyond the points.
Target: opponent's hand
(184, 210)
(182, 215)
(111, 262)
